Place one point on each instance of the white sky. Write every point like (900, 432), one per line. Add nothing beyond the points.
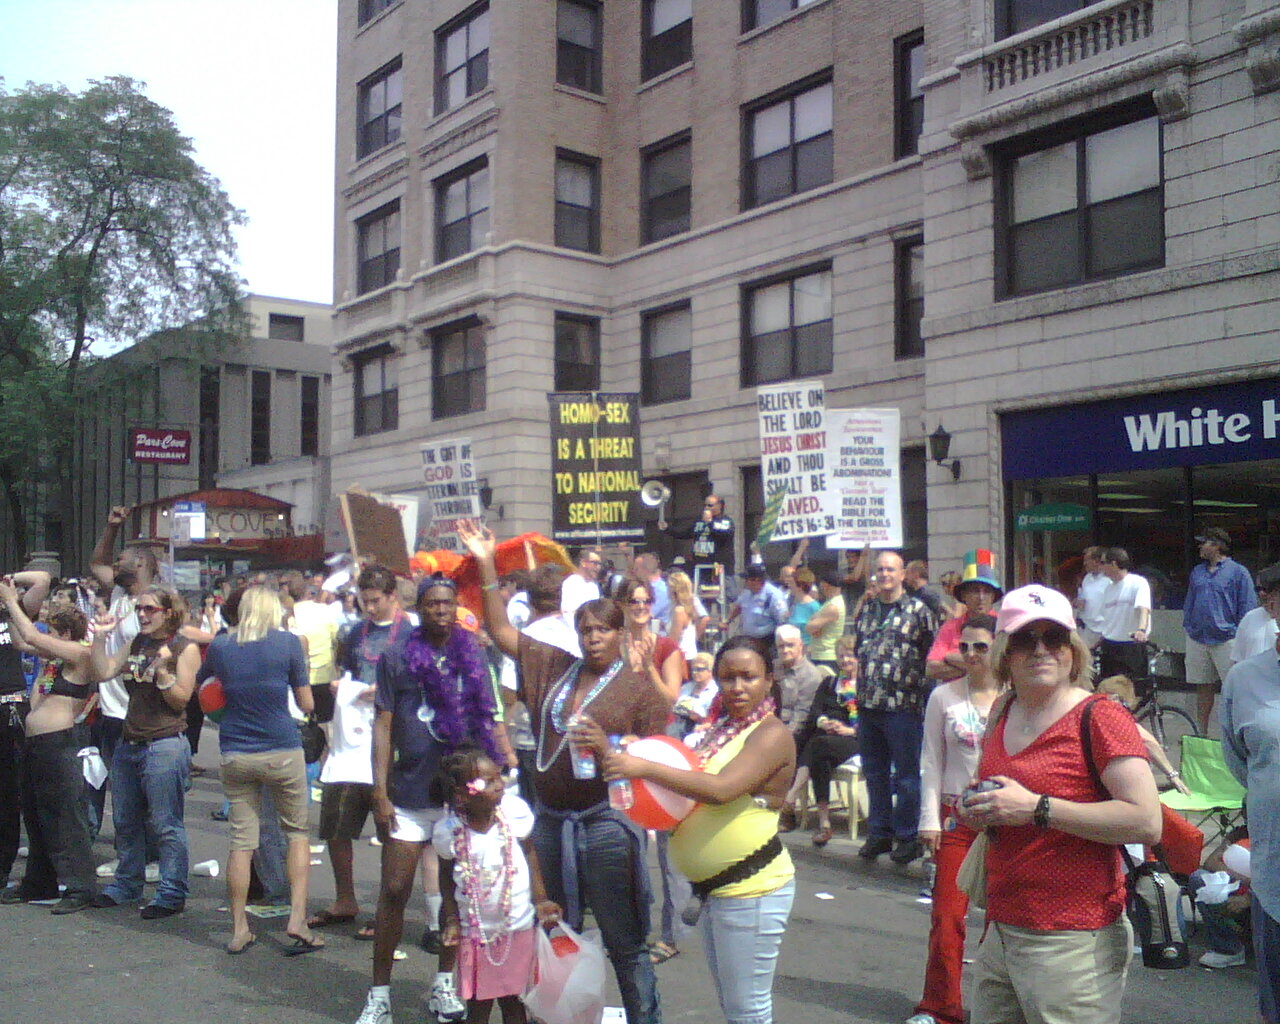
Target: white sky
(251, 82)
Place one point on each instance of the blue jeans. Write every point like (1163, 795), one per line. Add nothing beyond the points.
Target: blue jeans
(148, 792)
(890, 744)
(606, 879)
(1266, 950)
(270, 858)
(676, 891)
(1219, 935)
(742, 937)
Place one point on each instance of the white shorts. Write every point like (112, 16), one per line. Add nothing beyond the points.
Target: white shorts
(1207, 663)
(416, 826)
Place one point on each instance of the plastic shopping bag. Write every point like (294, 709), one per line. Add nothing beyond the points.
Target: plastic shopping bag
(570, 980)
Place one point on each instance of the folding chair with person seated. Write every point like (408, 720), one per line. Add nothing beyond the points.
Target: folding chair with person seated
(1215, 794)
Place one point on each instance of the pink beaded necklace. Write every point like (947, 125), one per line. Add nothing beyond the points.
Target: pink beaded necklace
(496, 944)
(725, 729)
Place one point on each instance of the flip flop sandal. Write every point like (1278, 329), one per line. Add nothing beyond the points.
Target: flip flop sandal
(822, 837)
(326, 918)
(660, 953)
(237, 952)
(299, 946)
(365, 934)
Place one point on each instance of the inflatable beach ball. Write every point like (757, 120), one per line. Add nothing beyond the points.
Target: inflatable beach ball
(213, 699)
(655, 806)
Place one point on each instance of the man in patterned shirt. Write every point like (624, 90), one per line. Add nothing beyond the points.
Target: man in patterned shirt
(894, 632)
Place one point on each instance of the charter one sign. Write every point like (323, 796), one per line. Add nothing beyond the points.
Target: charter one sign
(1167, 430)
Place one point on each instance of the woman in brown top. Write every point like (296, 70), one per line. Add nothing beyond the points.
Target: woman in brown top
(152, 764)
(590, 853)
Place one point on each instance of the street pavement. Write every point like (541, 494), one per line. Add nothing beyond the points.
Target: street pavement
(854, 953)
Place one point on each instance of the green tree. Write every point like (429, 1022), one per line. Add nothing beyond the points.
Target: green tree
(109, 231)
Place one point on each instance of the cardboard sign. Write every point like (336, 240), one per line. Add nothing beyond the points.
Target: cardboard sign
(375, 531)
(149, 444)
(595, 465)
(453, 489)
(865, 475)
(793, 459)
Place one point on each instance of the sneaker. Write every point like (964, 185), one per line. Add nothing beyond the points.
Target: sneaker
(375, 1012)
(906, 851)
(153, 873)
(71, 904)
(108, 870)
(1216, 961)
(157, 911)
(873, 847)
(922, 1018)
(444, 1001)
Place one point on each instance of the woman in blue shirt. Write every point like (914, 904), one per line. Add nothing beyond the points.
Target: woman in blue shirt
(259, 663)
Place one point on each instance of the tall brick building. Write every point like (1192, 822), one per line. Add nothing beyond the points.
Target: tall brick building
(977, 211)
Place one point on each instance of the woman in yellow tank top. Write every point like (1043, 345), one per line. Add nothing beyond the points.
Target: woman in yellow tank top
(728, 847)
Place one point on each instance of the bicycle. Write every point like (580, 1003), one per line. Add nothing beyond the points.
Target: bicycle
(1166, 722)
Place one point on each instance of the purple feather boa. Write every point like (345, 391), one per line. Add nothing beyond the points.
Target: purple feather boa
(462, 694)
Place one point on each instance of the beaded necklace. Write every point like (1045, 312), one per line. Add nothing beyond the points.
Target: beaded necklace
(553, 709)
(396, 622)
(724, 731)
(496, 944)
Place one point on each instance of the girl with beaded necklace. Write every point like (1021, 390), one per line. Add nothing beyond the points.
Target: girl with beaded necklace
(492, 887)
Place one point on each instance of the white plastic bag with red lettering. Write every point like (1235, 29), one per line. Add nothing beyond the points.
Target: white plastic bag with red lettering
(569, 979)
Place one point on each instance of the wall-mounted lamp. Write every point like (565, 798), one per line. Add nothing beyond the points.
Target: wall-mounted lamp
(940, 448)
(486, 497)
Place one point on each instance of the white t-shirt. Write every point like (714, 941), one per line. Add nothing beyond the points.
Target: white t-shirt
(1093, 589)
(1120, 602)
(574, 593)
(351, 738)
(553, 630)
(113, 698)
(1255, 634)
(488, 855)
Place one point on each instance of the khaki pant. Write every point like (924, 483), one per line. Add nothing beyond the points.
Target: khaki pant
(245, 776)
(1024, 976)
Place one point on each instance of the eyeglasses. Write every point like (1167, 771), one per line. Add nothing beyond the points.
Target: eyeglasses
(147, 609)
(1054, 639)
(702, 668)
(636, 602)
(978, 648)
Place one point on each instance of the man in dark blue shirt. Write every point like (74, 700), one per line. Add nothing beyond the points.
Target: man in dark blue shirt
(1219, 594)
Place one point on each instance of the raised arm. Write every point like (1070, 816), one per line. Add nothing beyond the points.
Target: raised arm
(483, 546)
(44, 644)
(37, 583)
(101, 664)
(100, 562)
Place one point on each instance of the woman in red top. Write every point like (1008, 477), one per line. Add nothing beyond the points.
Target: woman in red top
(1057, 943)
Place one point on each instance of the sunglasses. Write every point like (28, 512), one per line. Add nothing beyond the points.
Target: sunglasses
(978, 648)
(1054, 638)
(638, 603)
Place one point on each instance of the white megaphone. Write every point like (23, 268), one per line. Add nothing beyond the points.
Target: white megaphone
(655, 494)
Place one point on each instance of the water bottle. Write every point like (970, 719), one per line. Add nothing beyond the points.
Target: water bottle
(582, 757)
(621, 795)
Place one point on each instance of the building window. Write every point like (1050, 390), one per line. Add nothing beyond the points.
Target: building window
(1082, 208)
(788, 328)
(457, 370)
(908, 258)
(666, 340)
(284, 328)
(577, 202)
(462, 58)
(789, 145)
(577, 353)
(1014, 16)
(667, 194)
(210, 402)
(378, 109)
(761, 12)
(260, 418)
(668, 35)
(579, 50)
(908, 69)
(462, 210)
(377, 392)
(370, 9)
(309, 422)
(378, 241)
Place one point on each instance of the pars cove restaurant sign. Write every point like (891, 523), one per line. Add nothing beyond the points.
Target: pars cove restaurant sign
(1200, 426)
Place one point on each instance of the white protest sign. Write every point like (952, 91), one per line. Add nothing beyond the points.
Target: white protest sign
(864, 458)
(793, 458)
(453, 490)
